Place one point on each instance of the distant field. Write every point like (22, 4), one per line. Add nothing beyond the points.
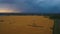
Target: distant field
(20, 25)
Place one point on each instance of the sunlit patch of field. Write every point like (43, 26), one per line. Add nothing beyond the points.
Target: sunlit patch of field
(19, 25)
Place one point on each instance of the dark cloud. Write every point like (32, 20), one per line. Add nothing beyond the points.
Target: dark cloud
(35, 6)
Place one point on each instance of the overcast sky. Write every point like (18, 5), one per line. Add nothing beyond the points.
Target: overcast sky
(34, 6)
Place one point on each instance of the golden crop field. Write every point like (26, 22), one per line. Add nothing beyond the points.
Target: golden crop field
(25, 25)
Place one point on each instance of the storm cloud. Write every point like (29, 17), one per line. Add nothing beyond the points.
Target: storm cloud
(35, 6)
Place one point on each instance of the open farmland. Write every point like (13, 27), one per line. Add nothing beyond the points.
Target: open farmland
(24, 25)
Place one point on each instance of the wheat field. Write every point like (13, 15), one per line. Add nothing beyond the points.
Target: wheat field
(23, 25)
